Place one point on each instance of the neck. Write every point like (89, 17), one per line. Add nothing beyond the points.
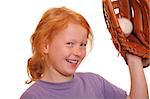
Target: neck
(55, 77)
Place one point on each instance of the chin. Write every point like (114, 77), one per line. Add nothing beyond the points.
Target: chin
(69, 73)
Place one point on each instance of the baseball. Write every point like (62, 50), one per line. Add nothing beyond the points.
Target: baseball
(125, 25)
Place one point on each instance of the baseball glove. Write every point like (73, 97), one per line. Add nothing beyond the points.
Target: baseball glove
(128, 22)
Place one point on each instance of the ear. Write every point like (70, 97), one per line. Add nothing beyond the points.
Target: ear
(45, 47)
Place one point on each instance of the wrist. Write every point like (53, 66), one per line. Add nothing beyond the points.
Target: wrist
(133, 60)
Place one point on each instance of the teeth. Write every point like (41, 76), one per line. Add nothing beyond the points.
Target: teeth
(72, 61)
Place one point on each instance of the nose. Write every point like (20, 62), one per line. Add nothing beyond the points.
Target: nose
(78, 52)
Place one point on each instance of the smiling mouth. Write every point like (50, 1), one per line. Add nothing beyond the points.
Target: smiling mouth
(72, 61)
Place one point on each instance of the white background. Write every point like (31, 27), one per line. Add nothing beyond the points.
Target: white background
(18, 19)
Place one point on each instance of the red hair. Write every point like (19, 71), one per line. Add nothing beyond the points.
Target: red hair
(52, 21)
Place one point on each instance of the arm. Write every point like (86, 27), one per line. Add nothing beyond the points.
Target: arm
(139, 88)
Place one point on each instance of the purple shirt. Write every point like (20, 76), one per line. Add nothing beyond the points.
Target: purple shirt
(82, 86)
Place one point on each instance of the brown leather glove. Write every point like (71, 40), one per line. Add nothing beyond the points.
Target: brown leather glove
(138, 13)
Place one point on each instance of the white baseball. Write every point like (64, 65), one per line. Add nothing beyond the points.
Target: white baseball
(125, 25)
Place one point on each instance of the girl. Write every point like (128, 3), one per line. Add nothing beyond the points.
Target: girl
(59, 45)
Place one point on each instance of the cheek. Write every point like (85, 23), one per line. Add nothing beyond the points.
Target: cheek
(61, 52)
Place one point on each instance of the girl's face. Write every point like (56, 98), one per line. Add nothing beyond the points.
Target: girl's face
(67, 50)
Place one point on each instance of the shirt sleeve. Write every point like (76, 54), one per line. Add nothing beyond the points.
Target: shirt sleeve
(113, 92)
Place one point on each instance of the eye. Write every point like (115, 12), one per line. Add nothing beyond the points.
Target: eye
(70, 43)
(83, 45)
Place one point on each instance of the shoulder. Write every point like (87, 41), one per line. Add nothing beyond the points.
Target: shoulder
(32, 92)
(27, 95)
(102, 85)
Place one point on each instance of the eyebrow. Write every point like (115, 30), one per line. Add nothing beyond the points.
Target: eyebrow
(72, 40)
